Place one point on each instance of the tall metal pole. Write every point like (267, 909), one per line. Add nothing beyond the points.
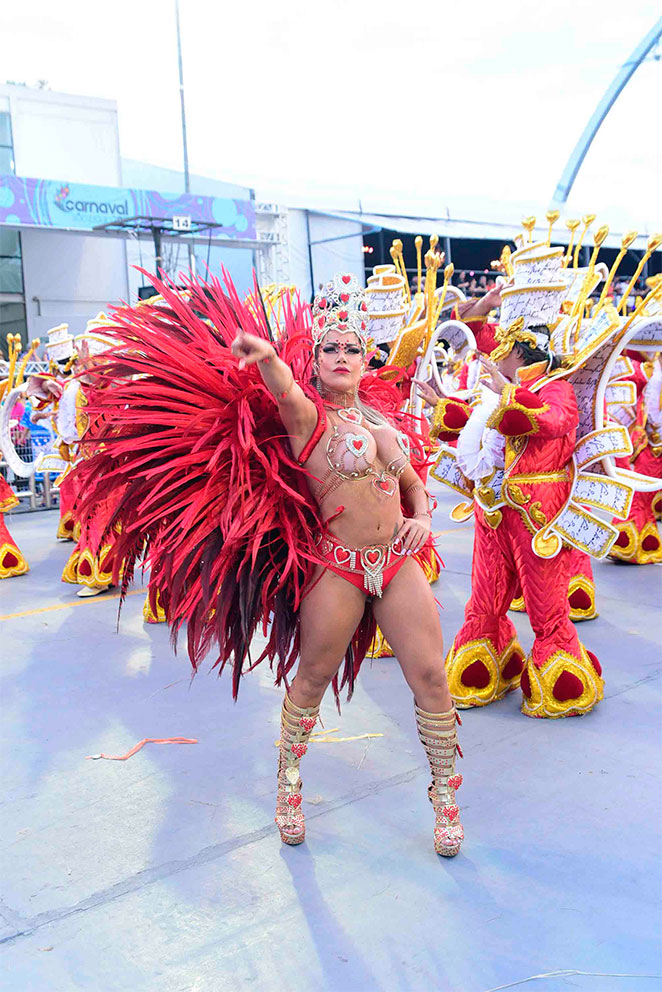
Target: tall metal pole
(187, 177)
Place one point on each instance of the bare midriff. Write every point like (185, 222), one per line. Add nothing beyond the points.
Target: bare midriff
(356, 466)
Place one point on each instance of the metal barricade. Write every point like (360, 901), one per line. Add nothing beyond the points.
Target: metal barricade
(37, 492)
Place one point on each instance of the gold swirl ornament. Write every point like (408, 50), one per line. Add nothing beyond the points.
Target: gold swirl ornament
(546, 544)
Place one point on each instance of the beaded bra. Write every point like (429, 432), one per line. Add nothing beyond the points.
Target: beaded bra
(351, 453)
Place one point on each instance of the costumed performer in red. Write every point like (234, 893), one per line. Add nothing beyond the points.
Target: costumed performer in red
(518, 447)
(450, 416)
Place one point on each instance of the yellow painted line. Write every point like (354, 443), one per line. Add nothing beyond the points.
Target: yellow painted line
(69, 606)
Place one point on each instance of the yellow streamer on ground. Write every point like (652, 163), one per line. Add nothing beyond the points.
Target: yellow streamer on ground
(321, 737)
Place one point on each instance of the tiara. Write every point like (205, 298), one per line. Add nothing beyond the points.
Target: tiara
(341, 306)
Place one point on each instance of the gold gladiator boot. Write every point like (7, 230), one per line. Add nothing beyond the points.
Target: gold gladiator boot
(296, 726)
(439, 738)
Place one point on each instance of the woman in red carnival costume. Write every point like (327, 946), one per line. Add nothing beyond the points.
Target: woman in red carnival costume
(287, 498)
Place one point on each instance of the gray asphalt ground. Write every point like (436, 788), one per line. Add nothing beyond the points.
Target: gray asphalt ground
(165, 872)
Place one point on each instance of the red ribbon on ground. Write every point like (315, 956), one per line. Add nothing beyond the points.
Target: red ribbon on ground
(141, 744)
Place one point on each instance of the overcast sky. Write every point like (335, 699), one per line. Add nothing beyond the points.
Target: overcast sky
(441, 98)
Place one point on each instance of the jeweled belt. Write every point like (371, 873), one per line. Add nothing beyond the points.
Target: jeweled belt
(369, 561)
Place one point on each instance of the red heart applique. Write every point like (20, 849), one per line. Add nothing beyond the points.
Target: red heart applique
(385, 486)
(322, 304)
(450, 813)
(357, 444)
(299, 749)
(321, 321)
(344, 297)
(346, 279)
(342, 315)
(342, 555)
(373, 556)
(353, 416)
(307, 722)
(294, 800)
(455, 781)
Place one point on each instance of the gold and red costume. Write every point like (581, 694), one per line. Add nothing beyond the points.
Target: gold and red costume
(65, 453)
(581, 588)
(12, 562)
(559, 678)
(92, 560)
(449, 418)
(66, 530)
(639, 541)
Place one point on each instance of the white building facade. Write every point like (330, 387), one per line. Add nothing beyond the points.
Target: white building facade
(62, 177)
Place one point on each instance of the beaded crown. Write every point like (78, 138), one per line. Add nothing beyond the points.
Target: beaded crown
(341, 306)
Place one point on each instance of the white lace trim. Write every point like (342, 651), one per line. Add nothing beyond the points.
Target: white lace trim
(481, 449)
(66, 413)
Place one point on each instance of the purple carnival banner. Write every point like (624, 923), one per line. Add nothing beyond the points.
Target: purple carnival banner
(79, 207)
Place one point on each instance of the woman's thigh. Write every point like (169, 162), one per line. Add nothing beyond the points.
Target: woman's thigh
(330, 614)
(408, 618)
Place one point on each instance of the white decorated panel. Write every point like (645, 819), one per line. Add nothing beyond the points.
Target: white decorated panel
(621, 394)
(584, 531)
(621, 368)
(538, 271)
(647, 335)
(446, 470)
(603, 493)
(534, 306)
(611, 440)
(383, 329)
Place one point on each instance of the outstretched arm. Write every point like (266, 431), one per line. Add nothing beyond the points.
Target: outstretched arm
(477, 309)
(298, 413)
